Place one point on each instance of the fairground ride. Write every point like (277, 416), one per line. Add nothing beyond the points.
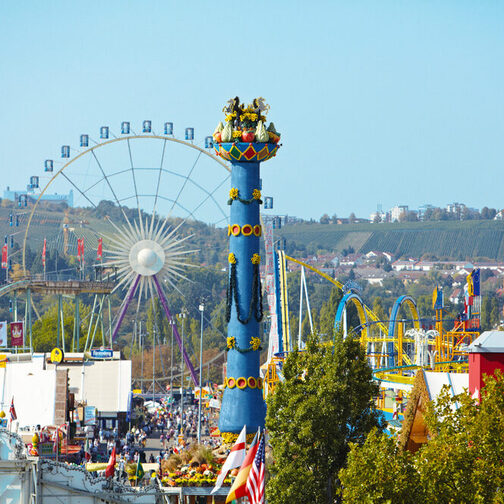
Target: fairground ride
(145, 192)
(395, 348)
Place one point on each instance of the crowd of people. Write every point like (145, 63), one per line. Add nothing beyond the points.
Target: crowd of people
(174, 427)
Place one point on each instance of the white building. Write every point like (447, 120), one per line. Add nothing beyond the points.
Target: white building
(397, 211)
(40, 389)
(378, 217)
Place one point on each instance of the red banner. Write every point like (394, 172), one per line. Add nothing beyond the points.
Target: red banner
(80, 246)
(99, 252)
(5, 259)
(17, 336)
(44, 252)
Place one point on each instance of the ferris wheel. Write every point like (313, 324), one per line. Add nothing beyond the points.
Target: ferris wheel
(146, 191)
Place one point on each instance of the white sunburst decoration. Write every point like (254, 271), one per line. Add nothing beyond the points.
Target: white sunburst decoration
(145, 256)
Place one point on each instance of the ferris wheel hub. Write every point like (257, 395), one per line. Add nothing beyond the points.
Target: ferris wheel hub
(147, 257)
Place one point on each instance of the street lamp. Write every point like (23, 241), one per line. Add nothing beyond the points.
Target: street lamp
(202, 310)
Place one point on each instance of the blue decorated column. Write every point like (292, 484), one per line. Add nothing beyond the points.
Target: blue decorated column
(243, 402)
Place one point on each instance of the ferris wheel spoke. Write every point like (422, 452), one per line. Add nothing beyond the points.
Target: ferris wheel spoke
(211, 195)
(185, 183)
(140, 291)
(174, 286)
(92, 186)
(109, 185)
(134, 178)
(83, 193)
(182, 207)
(127, 234)
(178, 241)
(157, 186)
(221, 220)
(63, 174)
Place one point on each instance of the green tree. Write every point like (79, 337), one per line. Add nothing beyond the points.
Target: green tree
(462, 461)
(379, 472)
(324, 402)
(328, 312)
(45, 330)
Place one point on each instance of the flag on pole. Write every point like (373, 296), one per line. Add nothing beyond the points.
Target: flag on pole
(99, 252)
(255, 481)
(476, 281)
(470, 285)
(5, 258)
(109, 470)
(235, 458)
(139, 473)
(12, 411)
(80, 249)
(44, 252)
(238, 489)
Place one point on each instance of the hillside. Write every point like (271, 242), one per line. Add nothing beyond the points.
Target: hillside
(450, 239)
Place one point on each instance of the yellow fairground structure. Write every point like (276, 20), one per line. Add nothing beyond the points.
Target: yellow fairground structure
(394, 352)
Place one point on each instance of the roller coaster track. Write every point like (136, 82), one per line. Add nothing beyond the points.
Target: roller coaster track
(370, 313)
(15, 286)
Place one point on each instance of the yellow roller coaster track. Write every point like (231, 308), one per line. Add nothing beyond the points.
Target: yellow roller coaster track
(370, 313)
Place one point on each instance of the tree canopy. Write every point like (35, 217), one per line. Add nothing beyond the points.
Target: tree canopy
(461, 463)
(324, 402)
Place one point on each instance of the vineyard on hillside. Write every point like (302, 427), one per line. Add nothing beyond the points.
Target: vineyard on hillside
(454, 244)
(450, 239)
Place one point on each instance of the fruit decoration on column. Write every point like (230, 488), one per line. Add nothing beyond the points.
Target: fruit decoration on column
(245, 141)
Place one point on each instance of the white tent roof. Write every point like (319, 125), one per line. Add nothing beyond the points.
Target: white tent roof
(434, 381)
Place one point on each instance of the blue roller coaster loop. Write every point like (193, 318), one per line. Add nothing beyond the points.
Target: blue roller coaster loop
(359, 304)
(410, 302)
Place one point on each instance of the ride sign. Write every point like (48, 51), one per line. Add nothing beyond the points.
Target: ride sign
(102, 353)
(89, 415)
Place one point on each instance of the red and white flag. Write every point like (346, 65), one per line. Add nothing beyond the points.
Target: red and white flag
(99, 252)
(255, 480)
(44, 248)
(235, 458)
(5, 258)
(109, 470)
(12, 411)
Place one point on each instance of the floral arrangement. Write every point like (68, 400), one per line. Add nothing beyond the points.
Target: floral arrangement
(234, 195)
(231, 344)
(246, 123)
(203, 475)
(197, 466)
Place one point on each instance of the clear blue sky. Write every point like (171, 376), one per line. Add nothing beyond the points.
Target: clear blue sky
(392, 102)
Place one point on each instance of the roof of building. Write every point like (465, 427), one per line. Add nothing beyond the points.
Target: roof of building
(488, 342)
(427, 387)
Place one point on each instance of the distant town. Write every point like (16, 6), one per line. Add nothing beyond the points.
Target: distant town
(402, 213)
